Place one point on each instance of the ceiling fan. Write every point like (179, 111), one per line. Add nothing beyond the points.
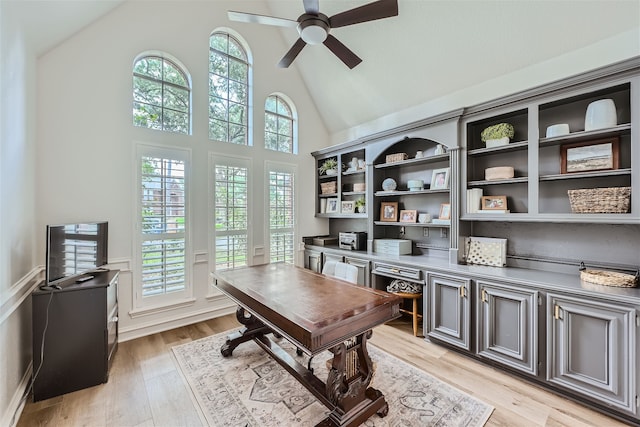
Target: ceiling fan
(314, 27)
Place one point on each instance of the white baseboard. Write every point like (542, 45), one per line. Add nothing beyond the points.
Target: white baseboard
(17, 403)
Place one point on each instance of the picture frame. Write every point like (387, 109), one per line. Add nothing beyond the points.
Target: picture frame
(389, 212)
(408, 215)
(494, 202)
(445, 211)
(440, 179)
(332, 205)
(348, 207)
(601, 154)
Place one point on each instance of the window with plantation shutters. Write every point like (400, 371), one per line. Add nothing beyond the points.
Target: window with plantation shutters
(281, 214)
(162, 224)
(231, 211)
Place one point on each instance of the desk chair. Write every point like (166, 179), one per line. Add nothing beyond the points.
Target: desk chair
(341, 270)
(411, 291)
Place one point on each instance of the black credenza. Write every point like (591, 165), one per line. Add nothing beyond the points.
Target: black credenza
(81, 338)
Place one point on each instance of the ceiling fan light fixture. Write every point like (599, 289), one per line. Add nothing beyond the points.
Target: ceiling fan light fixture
(313, 31)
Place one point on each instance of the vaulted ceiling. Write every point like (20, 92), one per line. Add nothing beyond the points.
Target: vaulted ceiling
(433, 48)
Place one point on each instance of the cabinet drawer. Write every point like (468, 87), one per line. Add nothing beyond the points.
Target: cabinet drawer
(398, 272)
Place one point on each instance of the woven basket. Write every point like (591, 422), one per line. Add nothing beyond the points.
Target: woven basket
(600, 200)
(328, 187)
(609, 278)
(397, 157)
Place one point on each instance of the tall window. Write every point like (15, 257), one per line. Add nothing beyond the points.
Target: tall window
(228, 90)
(278, 125)
(281, 215)
(162, 223)
(231, 212)
(161, 95)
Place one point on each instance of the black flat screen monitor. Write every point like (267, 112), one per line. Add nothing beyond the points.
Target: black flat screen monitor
(75, 249)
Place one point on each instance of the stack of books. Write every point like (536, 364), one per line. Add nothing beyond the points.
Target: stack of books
(474, 196)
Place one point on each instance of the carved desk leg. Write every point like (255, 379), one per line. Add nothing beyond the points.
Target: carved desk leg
(348, 384)
(254, 328)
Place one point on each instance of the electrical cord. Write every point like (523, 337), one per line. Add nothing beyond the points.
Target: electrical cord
(37, 371)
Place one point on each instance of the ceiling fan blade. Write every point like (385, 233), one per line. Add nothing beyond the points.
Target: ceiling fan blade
(311, 6)
(341, 51)
(369, 12)
(260, 19)
(288, 58)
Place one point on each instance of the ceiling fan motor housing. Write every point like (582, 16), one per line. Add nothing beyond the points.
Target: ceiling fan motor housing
(313, 29)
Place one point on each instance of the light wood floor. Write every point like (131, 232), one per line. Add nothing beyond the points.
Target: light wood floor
(145, 388)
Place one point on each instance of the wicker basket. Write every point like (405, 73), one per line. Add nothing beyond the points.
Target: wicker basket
(397, 157)
(609, 278)
(600, 200)
(328, 187)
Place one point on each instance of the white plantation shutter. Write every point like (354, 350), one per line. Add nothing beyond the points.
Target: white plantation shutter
(281, 214)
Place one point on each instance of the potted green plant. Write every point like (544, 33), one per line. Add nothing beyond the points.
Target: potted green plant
(496, 135)
(360, 205)
(329, 167)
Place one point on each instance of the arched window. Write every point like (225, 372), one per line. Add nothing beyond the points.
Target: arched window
(279, 125)
(228, 89)
(161, 94)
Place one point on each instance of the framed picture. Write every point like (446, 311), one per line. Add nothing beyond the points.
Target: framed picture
(332, 205)
(445, 211)
(440, 179)
(408, 216)
(602, 154)
(389, 211)
(348, 207)
(494, 202)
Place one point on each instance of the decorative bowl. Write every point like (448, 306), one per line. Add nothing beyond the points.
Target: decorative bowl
(558, 130)
(389, 184)
(600, 114)
(499, 172)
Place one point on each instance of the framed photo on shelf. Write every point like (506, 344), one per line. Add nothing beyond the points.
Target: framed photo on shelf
(445, 211)
(408, 215)
(332, 205)
(494, 202)
(587, 156)
(389, 212)
(440, 179)
(347, 207)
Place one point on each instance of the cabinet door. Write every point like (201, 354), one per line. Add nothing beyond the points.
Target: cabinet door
(508, 325)
(591, 349)
(313, 260)
(364, 270)
(449, 310)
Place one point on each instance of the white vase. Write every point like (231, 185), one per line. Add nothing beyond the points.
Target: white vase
(601, 114)
(497, 142)
(332, 172)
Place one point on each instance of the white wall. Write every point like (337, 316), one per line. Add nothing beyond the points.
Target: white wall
(18, 263)
(85, 168)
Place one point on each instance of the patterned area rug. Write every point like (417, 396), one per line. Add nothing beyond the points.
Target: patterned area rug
(252, 389)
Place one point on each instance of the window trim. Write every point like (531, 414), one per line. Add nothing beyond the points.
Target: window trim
(292, 168)
(216, 158)
(158, 303)
(247, 51)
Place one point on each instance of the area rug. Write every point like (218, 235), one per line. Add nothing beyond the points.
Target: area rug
(251, 389)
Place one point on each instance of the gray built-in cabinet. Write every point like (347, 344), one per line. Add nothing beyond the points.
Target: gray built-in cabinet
(535, 317)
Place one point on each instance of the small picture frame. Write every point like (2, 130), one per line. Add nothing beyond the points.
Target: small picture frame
(601, 154)
(348, 207)
(389, 211)
(445, 211)
(332, 205)
(494, 202)
(440, 179)
(408, 215)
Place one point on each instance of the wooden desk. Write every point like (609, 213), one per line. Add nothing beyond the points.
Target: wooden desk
(316, 313)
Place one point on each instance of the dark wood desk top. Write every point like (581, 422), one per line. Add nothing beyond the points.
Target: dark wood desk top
(313, 310)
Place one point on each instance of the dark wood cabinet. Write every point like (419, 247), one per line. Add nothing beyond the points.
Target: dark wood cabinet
(75, 335)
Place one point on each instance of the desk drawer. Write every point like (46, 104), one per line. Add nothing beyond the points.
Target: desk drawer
(398, 272)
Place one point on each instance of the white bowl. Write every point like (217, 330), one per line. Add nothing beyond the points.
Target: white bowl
(558, 130)
(415, 184)
(601, 114)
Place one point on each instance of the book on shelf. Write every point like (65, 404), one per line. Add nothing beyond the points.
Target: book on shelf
(474, 196)
(494, 211)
